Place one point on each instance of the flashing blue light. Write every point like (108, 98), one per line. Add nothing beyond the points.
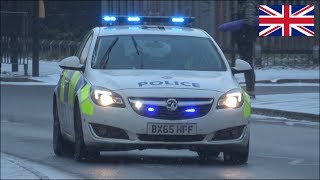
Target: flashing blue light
(191, 110)
(109, 18)
(150, 109)
(177, 20)
(134, 19)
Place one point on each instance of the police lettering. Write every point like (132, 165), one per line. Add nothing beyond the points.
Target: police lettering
(169, 83)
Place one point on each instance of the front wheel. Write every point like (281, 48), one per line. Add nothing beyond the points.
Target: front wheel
(237, 157)
(60, 145)
(81, 152)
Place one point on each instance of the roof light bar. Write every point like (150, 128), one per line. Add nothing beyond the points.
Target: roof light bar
(147, 20)
(177, 20)
(134, 19)
(109, 18)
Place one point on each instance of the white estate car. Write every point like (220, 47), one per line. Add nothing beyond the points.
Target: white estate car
(146, 86)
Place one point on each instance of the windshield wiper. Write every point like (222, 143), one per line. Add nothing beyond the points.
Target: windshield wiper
(138, 51)
(105, 57)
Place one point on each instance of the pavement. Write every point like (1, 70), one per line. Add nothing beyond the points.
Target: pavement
(273, 153)
(13, 167)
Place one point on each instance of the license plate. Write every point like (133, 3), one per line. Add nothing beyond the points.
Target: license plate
(172, 129)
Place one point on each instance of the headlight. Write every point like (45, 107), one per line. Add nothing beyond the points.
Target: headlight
(232, 99)
(105, 97)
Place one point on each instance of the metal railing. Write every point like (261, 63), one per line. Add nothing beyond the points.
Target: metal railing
(57, 49)
(49, 49)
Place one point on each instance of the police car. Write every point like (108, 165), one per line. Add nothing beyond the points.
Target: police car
(133, 85)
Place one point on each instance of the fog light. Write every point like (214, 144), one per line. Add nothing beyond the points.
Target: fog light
(102, 131)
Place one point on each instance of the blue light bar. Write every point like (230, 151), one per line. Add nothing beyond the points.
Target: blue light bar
(177, 20)
(133, 18)
(150, 109)
(191, 110)
(109, 18)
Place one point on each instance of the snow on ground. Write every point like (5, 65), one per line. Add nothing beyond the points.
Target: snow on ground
(49, 73)
(298, 102)
(290, 122)
(283, 84)
(276, 73)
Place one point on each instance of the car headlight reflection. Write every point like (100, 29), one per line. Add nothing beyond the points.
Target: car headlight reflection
(105, 97)
(232, 99)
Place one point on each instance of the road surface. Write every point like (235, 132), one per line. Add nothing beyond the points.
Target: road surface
(278, 150)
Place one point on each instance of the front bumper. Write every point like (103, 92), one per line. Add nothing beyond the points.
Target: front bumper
(135, 125)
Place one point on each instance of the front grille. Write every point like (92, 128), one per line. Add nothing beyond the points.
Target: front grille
(229, 133)
(171, 138)
(109, 131)
(200, 106)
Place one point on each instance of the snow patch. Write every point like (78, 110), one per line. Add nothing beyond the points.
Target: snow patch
(275, 73)
(297, 102)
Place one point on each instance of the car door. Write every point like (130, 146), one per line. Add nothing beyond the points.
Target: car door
(71, 82)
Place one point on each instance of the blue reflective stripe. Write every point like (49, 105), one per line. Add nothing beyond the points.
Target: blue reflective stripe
(81, 83)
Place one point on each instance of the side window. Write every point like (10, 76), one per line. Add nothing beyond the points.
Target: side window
(83, 42)
(85, 50)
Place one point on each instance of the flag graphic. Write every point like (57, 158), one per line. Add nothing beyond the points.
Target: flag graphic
(286, 20)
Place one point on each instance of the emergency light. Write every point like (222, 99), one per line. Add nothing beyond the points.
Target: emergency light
(155, 20)
(191, 110)
(177, 20)
(109, 18)
(133, 19)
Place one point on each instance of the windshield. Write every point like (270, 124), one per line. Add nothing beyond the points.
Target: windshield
(158, 52)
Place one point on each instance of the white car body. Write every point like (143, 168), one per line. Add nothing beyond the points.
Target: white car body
(161, 84)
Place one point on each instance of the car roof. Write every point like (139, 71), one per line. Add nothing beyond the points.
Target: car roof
(150, 30)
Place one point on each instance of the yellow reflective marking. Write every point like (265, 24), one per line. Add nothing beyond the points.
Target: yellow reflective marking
(72, 86)
(247, 108)
(86, 106)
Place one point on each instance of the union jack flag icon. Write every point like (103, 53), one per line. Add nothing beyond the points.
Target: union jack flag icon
(286, 20)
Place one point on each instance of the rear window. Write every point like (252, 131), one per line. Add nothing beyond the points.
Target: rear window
(158, 52)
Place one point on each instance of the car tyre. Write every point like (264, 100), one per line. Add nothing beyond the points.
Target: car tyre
(236, 157)
(60, 145)
(81, 152)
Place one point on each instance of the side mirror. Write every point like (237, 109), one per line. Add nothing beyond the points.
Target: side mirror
(72, 63)
(241, 66)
